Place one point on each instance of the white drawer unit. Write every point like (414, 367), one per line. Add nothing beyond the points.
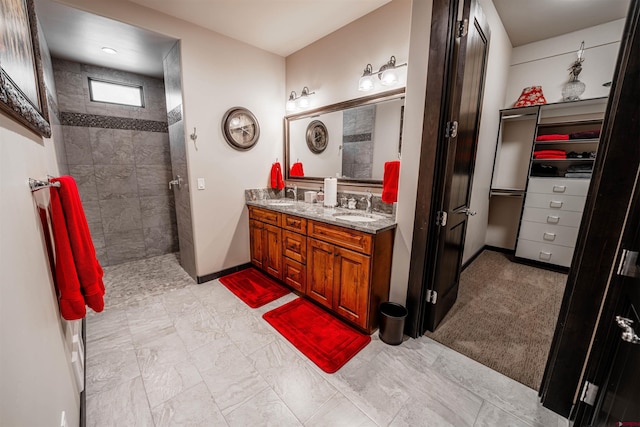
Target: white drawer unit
(545, 252)
(546, 233)
(564, 186)
(553, 217)
(555, 202)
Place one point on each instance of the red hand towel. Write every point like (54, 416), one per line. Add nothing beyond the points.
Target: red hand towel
(296, 169)
(277, 183)
(78, 273)
(390, 181)
(553, 137)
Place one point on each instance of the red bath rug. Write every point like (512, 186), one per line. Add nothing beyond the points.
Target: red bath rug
(253, 287)
(325, 340)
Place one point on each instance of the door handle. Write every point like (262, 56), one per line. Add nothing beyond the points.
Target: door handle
(177, 182)
(469, 212)
(628, 334)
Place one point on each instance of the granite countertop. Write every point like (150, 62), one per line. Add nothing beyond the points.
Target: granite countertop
(318, 212)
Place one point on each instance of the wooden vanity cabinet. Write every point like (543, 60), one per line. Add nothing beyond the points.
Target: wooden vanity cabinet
(344, 270)
(266, 241)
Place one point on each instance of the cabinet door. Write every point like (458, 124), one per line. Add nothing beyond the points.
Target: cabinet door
(273, 250)
(294, 274)
(351, 285)
(320, 262)
(256, 238)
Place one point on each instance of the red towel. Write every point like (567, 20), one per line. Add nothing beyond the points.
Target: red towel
(277, 183)
(296, 169)
(553, 137)
(550, 154)
(78, 274)
(390, 181)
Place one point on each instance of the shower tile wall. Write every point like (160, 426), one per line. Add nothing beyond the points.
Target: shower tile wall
(357, 142)
(173, 89)
(119, 156)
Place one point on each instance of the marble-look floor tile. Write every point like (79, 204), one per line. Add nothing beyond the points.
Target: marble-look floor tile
(124, 405)
(108, 330)
(264, 409)
(229, 374)
(302, 389)
(148, 321)
(182, 302)
(111, 368)
(197, 329)
(192, 407)
(491, 416)
(166, 368)
(246, 331)
(339, 412)
(495, 388)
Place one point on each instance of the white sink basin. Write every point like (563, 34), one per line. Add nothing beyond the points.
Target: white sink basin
(358, 217)
(280, 202)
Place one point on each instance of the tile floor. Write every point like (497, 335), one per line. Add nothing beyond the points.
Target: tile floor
(169, 352)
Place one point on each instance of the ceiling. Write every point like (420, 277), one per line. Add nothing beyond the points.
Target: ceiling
(528, 21)
(279, 26)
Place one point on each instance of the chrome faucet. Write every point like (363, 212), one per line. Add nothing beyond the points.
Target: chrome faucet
(368, 198)
(295, 192)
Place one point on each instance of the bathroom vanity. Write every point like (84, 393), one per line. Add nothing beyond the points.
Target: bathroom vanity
(339, 258)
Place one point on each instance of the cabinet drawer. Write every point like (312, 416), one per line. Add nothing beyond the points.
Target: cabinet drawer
(264, 215)
(547, 233)
(552, 216)
(544, 252)
(294, 223)
(566, 186)
(345, 237)
(294, 274)
(294, 246)
(556, 202)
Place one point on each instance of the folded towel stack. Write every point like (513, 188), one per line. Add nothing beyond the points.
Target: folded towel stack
(553, 137)
(550, 154)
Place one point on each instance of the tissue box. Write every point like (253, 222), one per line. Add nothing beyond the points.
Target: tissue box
(310, 196)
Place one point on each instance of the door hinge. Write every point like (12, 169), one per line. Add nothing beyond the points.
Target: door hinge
(589, 393)
(463, 28)
(441, 218)
(432, 296)
(451, 130)
(628, 266)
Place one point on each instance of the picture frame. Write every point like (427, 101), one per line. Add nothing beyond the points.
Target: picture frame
(22, 90)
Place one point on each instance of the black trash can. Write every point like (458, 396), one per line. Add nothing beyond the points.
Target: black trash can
(392, 317)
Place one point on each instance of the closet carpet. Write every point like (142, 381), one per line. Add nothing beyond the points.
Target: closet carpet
(505, 316)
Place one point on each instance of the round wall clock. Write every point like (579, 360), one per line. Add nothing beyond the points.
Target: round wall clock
(317, 136)
(240, 128)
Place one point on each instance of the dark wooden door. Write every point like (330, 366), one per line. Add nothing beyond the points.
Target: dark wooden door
(273, 250)
(320, 272)
(457, 161)
(256, 240)
(351, 285)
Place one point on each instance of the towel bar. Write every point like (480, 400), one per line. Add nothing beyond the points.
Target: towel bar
(36, 184)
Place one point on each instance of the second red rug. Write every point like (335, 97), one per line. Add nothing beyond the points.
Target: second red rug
(325, 340)
(253, 287)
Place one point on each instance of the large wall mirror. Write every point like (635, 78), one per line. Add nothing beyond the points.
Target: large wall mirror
(350, 140)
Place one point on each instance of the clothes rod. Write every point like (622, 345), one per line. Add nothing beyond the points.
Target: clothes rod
(36, 184)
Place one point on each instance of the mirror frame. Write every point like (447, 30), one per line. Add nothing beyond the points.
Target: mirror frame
(345, 105)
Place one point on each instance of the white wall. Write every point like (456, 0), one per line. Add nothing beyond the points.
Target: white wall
(36, 381)
(217, 73)
(494, 93)
(545, 63)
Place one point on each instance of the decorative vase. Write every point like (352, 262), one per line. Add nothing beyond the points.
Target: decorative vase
(572, 90)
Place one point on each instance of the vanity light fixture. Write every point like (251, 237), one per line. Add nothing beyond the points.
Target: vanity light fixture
(387, 74)
(303, 101)
(109, 50)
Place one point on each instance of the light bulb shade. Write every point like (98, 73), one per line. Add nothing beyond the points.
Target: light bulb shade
(389, 77)
(366, 83)
(291, 105)
(303, 101)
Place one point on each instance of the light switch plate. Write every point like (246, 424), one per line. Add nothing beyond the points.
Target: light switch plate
(200, 183)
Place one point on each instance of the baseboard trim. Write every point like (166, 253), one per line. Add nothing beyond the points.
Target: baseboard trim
(83, 393)
(542, 265)
(473, 258)
(499, 249)
(214, 276)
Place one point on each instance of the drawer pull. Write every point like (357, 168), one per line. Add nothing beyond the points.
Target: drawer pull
(549, 236)
(555, 204)
(552, 219)
(559, 188)
(546, 256)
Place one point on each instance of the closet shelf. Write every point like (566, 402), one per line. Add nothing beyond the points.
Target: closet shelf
(568, 141)
(563, 160)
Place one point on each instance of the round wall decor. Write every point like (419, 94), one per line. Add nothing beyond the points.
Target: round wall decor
(240, 128)
(317, 136)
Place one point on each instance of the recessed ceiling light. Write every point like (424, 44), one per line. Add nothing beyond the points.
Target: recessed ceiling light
(109, 50)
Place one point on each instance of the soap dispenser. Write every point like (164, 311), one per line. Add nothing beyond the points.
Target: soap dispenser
(320, 196)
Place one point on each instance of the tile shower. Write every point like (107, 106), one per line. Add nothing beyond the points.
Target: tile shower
(120, 158)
